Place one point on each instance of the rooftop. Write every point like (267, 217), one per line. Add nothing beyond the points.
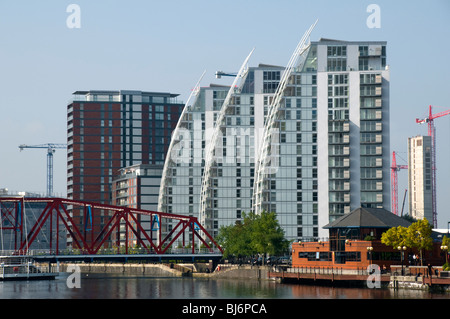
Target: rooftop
(335, 41)
(116, 96)
(122, 92)
(368, 218)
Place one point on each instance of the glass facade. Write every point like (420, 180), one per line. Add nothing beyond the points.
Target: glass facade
(329, 151)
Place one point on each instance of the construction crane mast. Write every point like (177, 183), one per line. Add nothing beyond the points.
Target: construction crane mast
(394, 183)
(432, 132)
(51, 148)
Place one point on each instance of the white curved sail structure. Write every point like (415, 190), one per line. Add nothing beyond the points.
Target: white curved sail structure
(176, 139)
(267, 161)
(219, 124)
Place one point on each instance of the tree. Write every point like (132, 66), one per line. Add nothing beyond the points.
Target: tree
(256, 234)
(395, 237)
(419, 236)
(267, 237)
(444, 247)
(235, 241)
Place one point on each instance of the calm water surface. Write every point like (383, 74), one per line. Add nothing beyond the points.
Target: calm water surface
(101, 286)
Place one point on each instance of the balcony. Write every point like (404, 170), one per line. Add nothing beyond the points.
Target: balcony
(379, 162)
(375, 51)
(346, 174)
(379, 150)
(379, 198)
(346, 127)
(379, 173)
(378, 127)
(379, 186)
(346, 150)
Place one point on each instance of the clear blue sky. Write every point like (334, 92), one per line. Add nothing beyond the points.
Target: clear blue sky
(166, 45)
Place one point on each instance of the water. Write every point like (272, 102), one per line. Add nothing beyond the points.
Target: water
(103, 286)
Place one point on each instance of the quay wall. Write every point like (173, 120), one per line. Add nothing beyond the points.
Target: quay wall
(173, 270)
(236, 272)
(151, 270)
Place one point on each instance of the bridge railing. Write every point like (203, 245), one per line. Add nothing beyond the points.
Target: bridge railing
(103, 226)
(106, 251)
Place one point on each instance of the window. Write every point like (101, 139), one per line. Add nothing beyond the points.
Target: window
(316, 256)
(367, 114)
(337, 51)
(363, 64)
(368, 78)
(340, 79)
(271, 80)
(353, 256)
(270, 87)
(338, 115)
(336, 58)
(363, 50)
(340, 91)
(271, 75)
(368, 137)
(368, 173)
(337, 64)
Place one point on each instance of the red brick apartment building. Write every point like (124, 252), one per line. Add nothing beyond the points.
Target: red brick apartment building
(110, 130)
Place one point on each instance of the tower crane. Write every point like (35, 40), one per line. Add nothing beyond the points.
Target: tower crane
(394, 183)
(51, 148)
(219, 74)
(432, 132)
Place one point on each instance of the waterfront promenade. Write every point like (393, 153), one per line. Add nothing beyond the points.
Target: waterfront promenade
(416, 277)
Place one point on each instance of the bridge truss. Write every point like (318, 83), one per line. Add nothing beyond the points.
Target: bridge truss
(53, 215)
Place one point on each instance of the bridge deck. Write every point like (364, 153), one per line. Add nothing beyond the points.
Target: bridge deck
(127, 258)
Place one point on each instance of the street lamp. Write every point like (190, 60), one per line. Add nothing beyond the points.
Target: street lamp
(369, 250)
(445, 249)
(402, 250)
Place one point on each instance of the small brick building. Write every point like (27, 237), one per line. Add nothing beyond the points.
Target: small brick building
(355, 243)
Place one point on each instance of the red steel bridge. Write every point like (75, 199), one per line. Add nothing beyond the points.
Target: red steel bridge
(53, 215)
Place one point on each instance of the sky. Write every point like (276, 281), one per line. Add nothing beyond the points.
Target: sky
(47, 52)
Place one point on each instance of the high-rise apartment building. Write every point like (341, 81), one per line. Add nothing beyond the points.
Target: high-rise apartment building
(137, 186)
(110, 130)
(331, 142)
(420, 178)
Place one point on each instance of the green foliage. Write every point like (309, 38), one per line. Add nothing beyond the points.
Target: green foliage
(256, 234)
(446, 241)
(417, 235)
(394, 237)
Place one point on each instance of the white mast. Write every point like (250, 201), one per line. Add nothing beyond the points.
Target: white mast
(265, 164)
(175, 139)
(220, 122)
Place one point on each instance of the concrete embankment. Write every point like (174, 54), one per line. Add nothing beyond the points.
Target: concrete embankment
(151, 270)
(236, 272)
(174, 270)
